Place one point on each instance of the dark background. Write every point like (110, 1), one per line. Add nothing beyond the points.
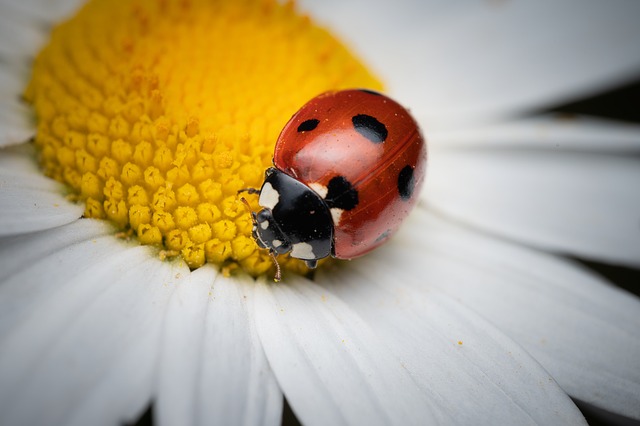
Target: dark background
(622, 103)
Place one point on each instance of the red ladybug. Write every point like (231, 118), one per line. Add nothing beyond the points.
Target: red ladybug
(348, 168)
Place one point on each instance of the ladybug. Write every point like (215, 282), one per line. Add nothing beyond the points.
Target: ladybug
(347, 170)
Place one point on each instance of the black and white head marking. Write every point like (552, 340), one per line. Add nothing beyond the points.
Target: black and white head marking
(294, 219)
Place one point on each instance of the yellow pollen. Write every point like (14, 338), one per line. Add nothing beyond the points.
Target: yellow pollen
(155, 113)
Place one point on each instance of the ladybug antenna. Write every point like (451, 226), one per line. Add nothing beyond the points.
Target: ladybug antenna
(246, 203)
(278, 276)
(253, 215)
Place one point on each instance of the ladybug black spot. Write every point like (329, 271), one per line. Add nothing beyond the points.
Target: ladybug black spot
(406, 182)
(308, 125)
(370, 128)
(371, 92)
(341, 194)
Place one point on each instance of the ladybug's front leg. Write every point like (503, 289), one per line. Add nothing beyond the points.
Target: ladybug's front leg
(278, 276)
(249, 190)
(267, 173)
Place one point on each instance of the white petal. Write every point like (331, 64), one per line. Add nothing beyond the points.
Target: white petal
(550, 132)
(87, 353)
(475, 60)
(213, 369)
(24, 25)
(585, 332)
(15, 123)
(39, 12)
(11, 84)
(20, 251)
(566, 201)
(18, 39)
(19, 159)
(475, 373)
(31, 202)
(33, 281)
(331, 366)
(24, 29)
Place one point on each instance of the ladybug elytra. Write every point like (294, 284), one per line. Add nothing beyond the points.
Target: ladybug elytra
(347, 168)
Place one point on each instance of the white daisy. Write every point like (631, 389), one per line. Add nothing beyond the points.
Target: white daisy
(470, 315)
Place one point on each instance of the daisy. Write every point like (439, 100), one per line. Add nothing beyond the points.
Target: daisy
(150, 117)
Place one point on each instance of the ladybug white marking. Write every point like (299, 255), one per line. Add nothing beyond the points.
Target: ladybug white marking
(320, 189)
(276, 243)
(265, 224)
(336, 214)
(269, 197)
(302, 251)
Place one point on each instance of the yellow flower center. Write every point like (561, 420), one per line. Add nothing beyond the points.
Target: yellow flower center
(155, 113)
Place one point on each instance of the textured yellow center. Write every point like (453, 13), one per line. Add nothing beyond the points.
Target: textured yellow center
(156, 113)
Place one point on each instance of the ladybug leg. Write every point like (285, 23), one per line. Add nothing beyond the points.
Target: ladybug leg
(311, 264)
(278, 276)
(249, 190)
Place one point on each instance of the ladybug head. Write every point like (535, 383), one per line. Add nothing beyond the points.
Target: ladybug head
(294, 219)
(267, 233)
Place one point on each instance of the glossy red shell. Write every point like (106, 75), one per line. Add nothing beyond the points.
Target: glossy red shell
(334, 147)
